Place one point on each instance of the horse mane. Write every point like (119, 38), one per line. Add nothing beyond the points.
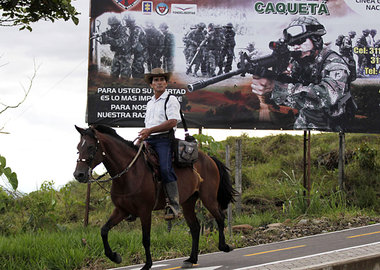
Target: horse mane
(110, 131)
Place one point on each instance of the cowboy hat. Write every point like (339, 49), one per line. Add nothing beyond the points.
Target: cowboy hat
(156, 72)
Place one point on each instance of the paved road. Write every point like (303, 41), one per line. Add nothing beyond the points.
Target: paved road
(347, 243)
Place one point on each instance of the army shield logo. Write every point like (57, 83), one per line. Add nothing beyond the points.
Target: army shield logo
(126, 3)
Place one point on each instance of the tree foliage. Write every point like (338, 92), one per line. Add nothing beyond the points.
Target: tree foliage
(24, 12)
(11, 176)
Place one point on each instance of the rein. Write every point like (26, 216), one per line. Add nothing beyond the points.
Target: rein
(97, 180)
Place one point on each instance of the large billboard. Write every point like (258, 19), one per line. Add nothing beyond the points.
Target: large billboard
(240, 64)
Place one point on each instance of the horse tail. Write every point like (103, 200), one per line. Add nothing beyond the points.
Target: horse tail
(226, 192)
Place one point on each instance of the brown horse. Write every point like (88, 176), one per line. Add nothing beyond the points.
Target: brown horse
(134, 190)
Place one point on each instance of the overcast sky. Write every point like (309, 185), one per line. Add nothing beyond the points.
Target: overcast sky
(42, 142)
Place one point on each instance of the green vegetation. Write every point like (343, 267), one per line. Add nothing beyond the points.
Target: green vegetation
(24, 13)
(44, 229)
(7, 172)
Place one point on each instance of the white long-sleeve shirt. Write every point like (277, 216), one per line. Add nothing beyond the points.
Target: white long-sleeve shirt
(155, 111)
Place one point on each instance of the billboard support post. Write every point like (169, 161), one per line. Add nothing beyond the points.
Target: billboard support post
(229, 210)
(306, 165)
(304, 162)
(86, 214)
(341, 160)
(238, 186)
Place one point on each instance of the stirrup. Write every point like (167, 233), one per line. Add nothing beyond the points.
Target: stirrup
(170, 212)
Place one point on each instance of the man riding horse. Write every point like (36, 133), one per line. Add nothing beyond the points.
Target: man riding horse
(160, 124)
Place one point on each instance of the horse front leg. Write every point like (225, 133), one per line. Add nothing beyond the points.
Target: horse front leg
(146, 221)
(114, 219)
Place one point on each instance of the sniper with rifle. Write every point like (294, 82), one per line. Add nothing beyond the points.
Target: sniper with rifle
(303, 74)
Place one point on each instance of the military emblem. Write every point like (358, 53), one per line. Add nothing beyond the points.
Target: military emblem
(126, 3)
(147, 7)
(162, 9)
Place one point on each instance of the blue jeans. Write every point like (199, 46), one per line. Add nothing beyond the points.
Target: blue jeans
(163, 147)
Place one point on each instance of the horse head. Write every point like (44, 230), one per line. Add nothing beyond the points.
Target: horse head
(89, 154)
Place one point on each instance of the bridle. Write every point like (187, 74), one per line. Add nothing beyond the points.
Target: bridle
(91, 156)
(91, 159)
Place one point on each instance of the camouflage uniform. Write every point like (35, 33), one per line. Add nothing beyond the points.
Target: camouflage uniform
(320, 88)
(155, 44)
(187, 43)
(363, 59)
(194, 39)
(345, 49)
(373, 44)
(118, 38)
(137, 42)
(251, 50)
(212, 41)
(228, 48)
(220, 44)
(168, 49)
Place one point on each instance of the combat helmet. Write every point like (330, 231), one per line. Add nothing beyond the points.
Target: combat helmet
(113, 20)
(201, 25)
(163, 26)
(251, 46)
(352, 33)
(302, 28)
(365, 32)
(129, 20)
(229, 25)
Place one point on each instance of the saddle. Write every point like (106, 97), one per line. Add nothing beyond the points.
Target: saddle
(151, 158)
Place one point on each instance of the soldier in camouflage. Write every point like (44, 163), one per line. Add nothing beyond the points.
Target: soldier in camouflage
(229, 46)
(372, 44)
(194, 39)
(187, 43)
(316, 83)
(220, 44)
(138, 45)
(212, 42)
(168, 48)
(118, 40)
(363, 59)
(345, 48)
(251, 50)
(155, 45)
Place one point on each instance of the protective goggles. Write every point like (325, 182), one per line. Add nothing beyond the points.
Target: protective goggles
(297, 34)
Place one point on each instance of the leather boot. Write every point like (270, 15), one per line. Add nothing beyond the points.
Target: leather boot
(173, 209)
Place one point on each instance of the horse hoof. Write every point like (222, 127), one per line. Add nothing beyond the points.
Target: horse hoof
(226, 248)
(186, 264)
(116, 258)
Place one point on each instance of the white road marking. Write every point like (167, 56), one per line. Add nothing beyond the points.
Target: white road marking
(138, 268)
(309, 256)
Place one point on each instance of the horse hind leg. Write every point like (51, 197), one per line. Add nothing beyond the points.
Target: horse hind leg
(115, 218)
(213, 207)
(193, 223)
